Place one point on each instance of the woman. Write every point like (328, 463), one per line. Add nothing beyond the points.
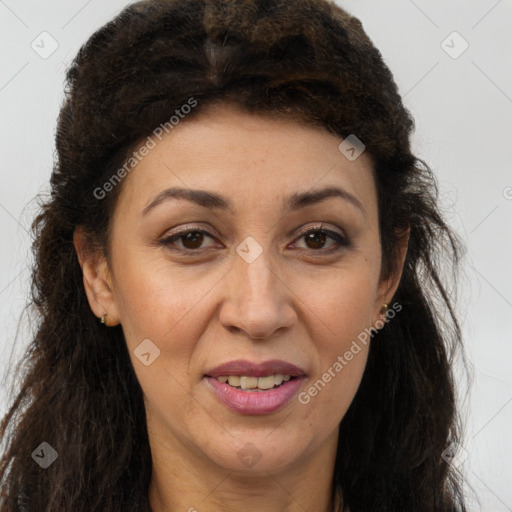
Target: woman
(237, 276)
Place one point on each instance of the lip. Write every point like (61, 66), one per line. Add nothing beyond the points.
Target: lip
(255, 402)
(250, 369)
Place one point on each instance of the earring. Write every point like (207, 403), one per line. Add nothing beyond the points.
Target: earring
(383, 309)
(102, 319)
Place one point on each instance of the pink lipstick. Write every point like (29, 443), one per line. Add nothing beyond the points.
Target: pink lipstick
(255, 388)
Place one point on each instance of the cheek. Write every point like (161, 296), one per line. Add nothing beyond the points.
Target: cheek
(340, 310)
(342, 300)
(159, 302)
(156, 305)
(342, 355)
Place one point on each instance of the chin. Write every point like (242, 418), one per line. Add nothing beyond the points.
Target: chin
(255, 455)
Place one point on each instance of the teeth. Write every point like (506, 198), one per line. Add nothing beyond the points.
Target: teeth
(234, 380)
(266, 382)
(247, 382)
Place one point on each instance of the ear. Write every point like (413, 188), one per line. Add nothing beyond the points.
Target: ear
(97, 279)
(388, 286)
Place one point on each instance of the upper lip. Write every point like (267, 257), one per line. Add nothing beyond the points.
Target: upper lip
(251, 369)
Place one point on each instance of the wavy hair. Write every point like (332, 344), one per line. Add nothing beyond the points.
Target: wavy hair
(306, 60)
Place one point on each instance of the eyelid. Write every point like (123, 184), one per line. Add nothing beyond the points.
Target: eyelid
(319, 227)
(339, 237)
(341, 240)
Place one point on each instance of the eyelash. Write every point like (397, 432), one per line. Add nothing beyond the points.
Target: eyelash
(342, 241)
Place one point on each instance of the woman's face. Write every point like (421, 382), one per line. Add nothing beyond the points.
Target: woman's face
(262, 294)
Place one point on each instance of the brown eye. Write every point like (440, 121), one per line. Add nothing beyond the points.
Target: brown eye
(191, 240)
(315, 239)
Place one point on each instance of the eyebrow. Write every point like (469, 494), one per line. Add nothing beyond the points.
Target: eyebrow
(213, 200)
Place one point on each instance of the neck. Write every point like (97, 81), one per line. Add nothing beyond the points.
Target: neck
(230, 494)
(184, 480)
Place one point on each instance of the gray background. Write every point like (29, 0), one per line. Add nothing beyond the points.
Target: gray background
(462, 104)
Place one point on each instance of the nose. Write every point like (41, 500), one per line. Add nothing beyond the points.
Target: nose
(257, 301)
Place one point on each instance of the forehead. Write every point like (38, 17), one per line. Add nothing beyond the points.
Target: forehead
(241, 155)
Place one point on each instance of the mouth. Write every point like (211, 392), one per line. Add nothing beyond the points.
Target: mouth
(255, 388)
(255, 384)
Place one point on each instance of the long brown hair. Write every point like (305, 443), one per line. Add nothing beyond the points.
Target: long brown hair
(302, 59)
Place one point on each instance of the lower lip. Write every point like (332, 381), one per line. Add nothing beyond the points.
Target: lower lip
(256, 402)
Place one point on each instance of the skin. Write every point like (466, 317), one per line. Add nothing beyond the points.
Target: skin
(295, 302)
